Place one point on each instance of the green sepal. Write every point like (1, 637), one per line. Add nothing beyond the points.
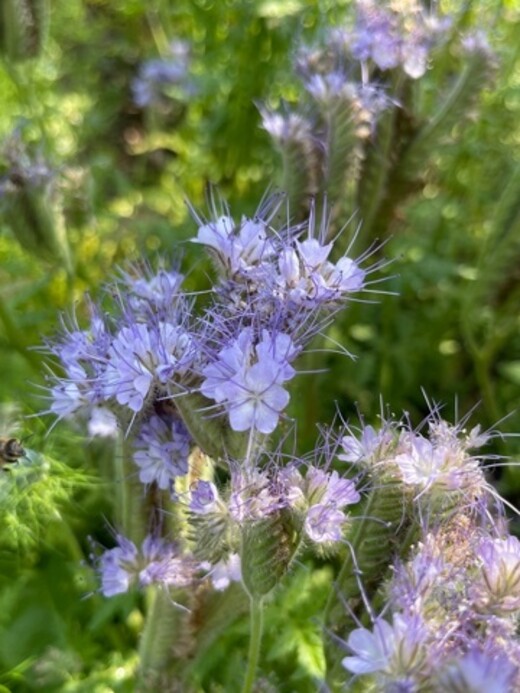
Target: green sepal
(211, 433)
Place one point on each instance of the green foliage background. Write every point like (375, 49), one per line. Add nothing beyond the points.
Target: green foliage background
(449, 325)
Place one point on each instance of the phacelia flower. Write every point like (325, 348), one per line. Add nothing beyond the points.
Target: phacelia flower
(393, 651)
(320, 496)
(240, 249)
(394, 36)
(157, 561)
(368, 448)
(498, 589)
(204, 498)
(161, 451)
(157, 77)
(247, 378)
(254, 496)
(143, 356)
(153, 292)
(434, 466)
(307, 277)
(478, 672)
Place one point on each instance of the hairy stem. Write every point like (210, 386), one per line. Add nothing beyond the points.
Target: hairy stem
(257, 624)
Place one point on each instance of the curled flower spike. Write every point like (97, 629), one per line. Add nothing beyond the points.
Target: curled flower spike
(240, 250)
(153, 292)
(127, 363)
(204, 497)
(371, 445)
(319, 497)
(397, 36)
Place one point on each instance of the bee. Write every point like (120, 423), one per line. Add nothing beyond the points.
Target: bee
(10, 451)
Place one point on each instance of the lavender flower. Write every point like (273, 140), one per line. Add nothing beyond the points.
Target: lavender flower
(498, 587)
(82, 355)
(143, 357)
(161, 451)
(371, 445)
(156, 562)
(204, 498)
(254, 496)
(324, 523)
(478, 672)
(154, 293)
(307, 278)
(116, 567)
(239, 249)
(395, 652)
(320, 496)
(397, 36)
(247, 378)
(226, 571)
(157, 77)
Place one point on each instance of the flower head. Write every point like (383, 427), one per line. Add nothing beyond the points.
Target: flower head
(161, 451)
(156, 561)
(246, 378)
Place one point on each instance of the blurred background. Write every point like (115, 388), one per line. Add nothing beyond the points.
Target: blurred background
(114, 113)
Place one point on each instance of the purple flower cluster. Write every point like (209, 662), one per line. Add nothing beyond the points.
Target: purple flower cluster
(455, 605)
(315, 503)
(276, 290)
(434, 468)
(125, 364)
(161, 451)
(155, 562)
(161, 79)
(281, 272)
(455, 600)
(398, 36)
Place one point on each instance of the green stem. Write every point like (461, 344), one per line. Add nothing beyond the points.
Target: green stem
(129, 494)
(158, 638)
(257, 624)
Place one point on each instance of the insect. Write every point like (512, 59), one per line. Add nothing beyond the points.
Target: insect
(10, 451)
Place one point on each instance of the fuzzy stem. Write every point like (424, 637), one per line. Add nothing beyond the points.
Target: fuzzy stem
(129, 493)
(257, 624)
(157, 639)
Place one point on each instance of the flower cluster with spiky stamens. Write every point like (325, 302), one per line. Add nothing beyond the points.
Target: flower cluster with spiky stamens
(314, 505)
(438, 470)
(461, 585)
(155, 562)
(276, 290)
(460, 582)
